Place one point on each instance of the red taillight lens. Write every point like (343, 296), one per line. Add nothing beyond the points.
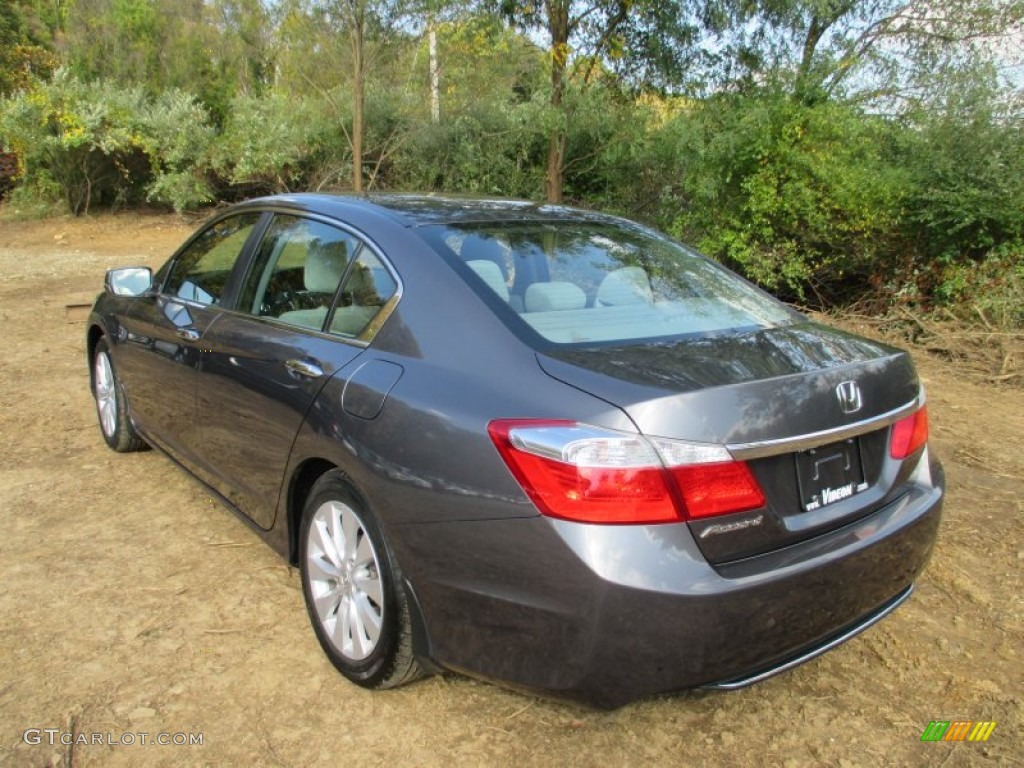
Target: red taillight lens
(909, 434)
(588, 474)
(718, 489)
(584, 474)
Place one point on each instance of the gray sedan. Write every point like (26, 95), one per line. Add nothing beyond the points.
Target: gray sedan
(532, 444)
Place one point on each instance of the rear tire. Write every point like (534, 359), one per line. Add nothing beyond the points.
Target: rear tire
(352, 587)
(111, 403)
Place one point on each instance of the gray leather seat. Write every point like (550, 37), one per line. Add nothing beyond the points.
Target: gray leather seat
(322, 272)
(554, 296)
(490, 273)
(628, 285)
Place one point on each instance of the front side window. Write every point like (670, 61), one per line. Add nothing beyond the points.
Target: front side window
(297, 271)
(602, 282)
(200, 272)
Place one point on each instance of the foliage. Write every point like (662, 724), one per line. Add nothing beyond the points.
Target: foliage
(828, 149)
(490, 150)
(797, 197)
(37, 197)
(178, 139)
(26, 31)
(966, 152)
(268, 140)
(876, 51)
(103, 144)
(992, 289)
(212, 49)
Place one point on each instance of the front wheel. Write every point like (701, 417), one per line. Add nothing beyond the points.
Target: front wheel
(351, 585)
(111, 403)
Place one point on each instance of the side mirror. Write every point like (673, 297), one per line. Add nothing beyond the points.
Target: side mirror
(128, 281)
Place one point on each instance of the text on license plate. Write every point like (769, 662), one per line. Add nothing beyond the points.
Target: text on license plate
(830, 473)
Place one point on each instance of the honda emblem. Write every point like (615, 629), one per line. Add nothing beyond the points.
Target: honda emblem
(849, 397)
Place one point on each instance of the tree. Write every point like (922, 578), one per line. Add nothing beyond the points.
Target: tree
(869, 50)
(213, 49)
(363, 35)
(26, 44)
(583, 37)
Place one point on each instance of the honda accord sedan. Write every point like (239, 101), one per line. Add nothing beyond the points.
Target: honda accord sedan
(531, 444)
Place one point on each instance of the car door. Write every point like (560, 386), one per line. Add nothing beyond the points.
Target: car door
(294, 325)
(160, 342)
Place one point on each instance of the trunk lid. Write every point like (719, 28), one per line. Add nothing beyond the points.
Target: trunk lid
(780, 398)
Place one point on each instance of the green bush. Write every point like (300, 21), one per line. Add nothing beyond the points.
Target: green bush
(490, 149)
(179, 139)
(799, 198)
(107, 145)
(966, 158)
(268, 140)
(39, 197)
(992, 288)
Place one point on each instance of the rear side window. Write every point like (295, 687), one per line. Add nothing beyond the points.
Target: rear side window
(601, 282)
(201, 270)
(367, 289)
(297, 270)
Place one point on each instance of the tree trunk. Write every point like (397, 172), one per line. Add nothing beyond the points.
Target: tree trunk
(556, 166)
(358, 95)
(804, 90)
(435, 76)
(808, 83)
(558, 26)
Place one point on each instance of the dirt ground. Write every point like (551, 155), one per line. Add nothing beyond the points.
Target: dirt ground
(132, 603)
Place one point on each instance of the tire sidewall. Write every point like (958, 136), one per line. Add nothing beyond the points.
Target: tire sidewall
(375, 669)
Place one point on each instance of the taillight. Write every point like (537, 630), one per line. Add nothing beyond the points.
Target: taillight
(909, 434)
(589, 474)
(718, 489)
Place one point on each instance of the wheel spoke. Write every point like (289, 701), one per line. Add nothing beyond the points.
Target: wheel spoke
(350, 525)
(327, 605)
(357, 631)
(364, 556)
(336, 518)
(343, 629)
(325, 542)
(322, 569)
(369, 584)
(107, 416)
(369, 620)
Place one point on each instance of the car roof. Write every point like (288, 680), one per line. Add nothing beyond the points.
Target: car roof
(423, 210)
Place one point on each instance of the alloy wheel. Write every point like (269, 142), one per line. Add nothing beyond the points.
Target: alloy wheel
(344, 580)
(106, 394)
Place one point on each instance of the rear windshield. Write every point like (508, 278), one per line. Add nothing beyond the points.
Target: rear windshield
(594, 282)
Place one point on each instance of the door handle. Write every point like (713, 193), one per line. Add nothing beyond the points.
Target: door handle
(306, 368)
(188, 334)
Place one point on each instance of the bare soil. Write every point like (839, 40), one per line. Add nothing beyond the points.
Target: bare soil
(132, 602)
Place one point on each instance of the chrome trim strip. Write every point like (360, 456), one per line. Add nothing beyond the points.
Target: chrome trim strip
(762, 448)
(870, 621)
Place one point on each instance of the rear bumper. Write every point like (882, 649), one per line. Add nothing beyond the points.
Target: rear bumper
(817, 650)
(608, 614)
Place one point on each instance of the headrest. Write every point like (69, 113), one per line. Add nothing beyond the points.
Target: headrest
(490, 273)
(548, 297)
(325, 264)
(628, 285)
